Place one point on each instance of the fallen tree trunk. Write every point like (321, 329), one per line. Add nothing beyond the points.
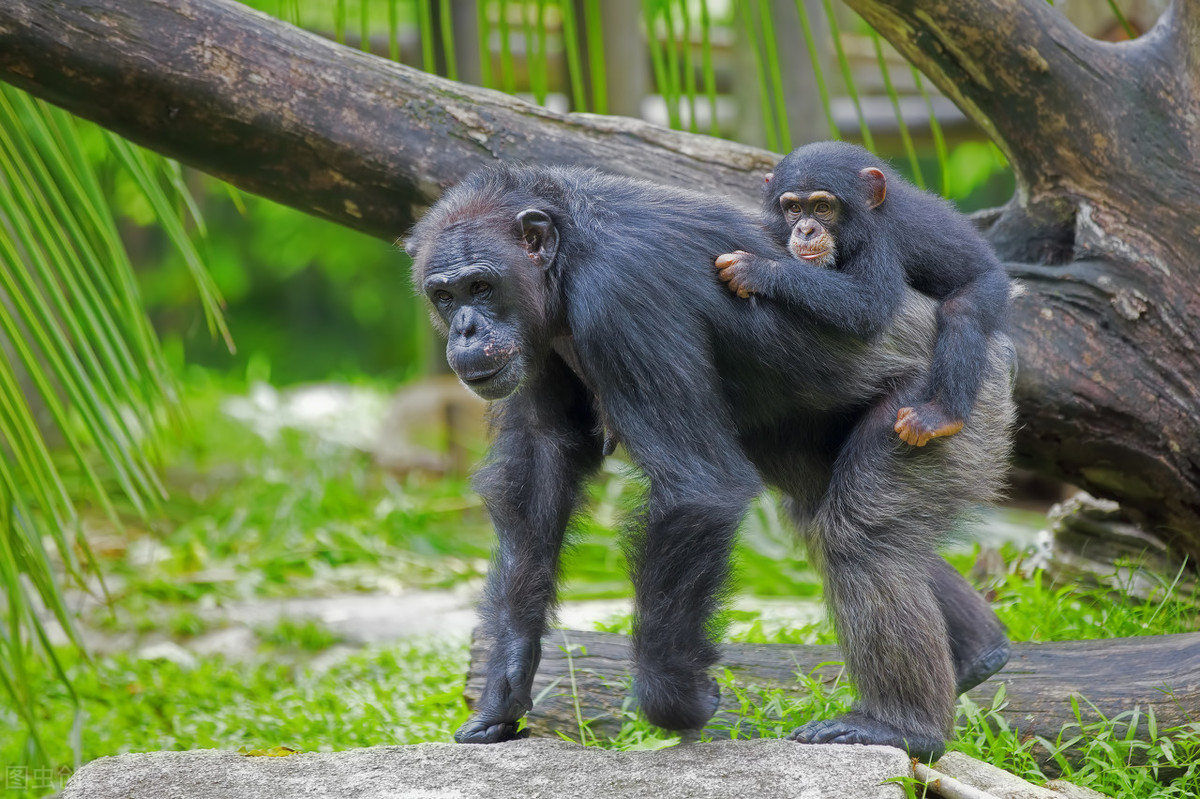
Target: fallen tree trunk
(585, 676)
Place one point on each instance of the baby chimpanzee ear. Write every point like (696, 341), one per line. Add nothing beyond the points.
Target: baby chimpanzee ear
(539, 237)
(766, 185)
(877, 186)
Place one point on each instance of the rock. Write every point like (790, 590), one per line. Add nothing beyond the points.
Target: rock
(998, 783)
(1067, 790)
(167, 650)
(434, 425)
(762, 769)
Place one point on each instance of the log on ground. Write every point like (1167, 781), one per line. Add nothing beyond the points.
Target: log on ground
(586, 676)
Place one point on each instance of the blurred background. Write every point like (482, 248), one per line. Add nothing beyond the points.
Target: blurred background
(234, 473)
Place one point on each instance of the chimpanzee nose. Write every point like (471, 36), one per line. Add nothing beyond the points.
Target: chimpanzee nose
(464, 324)
(808, 227)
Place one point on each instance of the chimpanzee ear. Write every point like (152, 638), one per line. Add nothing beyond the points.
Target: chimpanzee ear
(539, 237)
(877, 185)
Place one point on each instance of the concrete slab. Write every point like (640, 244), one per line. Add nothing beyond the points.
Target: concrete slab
(532, 769)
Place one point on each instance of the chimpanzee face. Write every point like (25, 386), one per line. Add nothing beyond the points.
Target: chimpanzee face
(485, 286)
(813, 220)
(819, 197)
(483, 344)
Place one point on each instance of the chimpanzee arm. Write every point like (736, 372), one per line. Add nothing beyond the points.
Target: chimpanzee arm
(859, 297)
(974, 292)
(967, 318)
(545, 447)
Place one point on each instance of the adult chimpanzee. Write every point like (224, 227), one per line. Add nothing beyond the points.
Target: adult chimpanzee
(577, 300)
(838, 207)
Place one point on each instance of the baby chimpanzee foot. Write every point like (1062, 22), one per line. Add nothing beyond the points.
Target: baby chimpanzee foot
(920, 425)
(857, 728)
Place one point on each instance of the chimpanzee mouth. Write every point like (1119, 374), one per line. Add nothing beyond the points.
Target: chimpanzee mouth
(480, 379)
(493, 385)
(819, 252)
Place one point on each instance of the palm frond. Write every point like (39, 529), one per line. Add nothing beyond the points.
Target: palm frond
(78, 349)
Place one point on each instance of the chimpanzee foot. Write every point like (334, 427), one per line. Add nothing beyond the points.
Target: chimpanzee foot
(667, 703)
(920, 425)
(857, 728)
(983, 666)
(482, 731)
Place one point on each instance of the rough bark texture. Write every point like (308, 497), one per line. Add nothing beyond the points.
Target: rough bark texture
(1109, 677)
(1104, 229)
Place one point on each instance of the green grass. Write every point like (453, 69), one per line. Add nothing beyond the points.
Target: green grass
(250, 518)
(399, 695)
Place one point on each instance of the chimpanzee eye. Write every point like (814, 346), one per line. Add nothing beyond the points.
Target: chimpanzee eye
(480, 289)
(442, 296)
(822, 208)
(792, 208)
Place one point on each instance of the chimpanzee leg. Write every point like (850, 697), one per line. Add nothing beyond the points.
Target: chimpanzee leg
(874, 537)
(545, 446)
(978, 646)
(680, 566)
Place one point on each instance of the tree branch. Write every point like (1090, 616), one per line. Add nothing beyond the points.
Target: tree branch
(329, 130)
(1017, 68)
(1182, 21)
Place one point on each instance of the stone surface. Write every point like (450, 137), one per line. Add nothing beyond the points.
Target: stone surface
(1068, 790)
(762, 769)
(999, 783)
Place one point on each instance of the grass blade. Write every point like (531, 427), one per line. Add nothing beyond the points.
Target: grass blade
(710, 78)
(570, 34)
(447, 25)
(818, 69)
(848, 75)
(595, 46)
(776, 75)
(905, 137)
(935, 130)
(749, 27)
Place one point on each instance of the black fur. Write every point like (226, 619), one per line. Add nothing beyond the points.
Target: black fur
(912, 237)
(612, 316)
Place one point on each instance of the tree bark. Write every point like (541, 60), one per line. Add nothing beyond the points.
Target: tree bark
(1104, 229)
(586, 675)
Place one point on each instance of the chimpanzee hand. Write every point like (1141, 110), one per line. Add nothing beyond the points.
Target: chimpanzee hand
(478, 731)
(506, 696)
(734, 268)
(920, 425)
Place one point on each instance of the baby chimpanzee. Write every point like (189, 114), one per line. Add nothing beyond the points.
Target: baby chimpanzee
(841, 209)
